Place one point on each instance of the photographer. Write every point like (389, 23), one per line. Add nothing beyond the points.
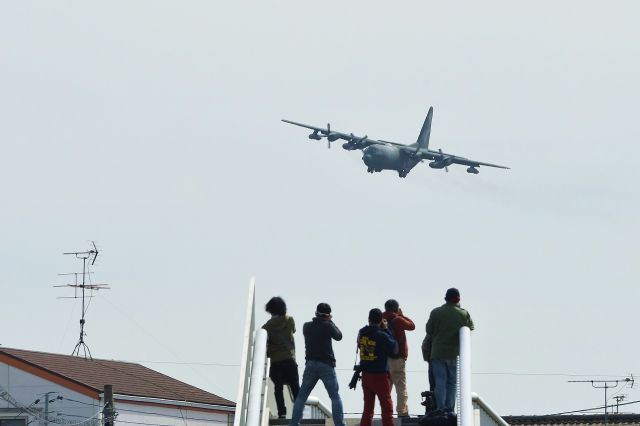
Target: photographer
(282, 351)
(399, 324)
(320, 365)
(376, 343)
(443, 326)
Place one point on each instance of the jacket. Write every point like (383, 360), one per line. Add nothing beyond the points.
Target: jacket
(375, 345)
(317, 340)
(399, 324)
(280, 344)
(443, 326)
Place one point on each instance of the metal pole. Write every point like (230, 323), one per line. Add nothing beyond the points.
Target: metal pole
(254, 406)
(109, 410)
(466, 402)
(46, 409)
(605, 405)
(240, 417)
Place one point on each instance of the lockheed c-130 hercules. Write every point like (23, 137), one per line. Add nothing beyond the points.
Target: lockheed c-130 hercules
(379, 155)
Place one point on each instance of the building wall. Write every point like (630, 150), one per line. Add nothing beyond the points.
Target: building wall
(26, 388)
(74, 407)
(133, 414)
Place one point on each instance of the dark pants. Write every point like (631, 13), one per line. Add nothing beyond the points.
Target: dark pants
(284, 373)
(376, 384)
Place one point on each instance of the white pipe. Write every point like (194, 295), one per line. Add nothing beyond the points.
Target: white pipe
(240, 418)
(314, 401)
(466, 402)
(488, 410)
(254, 407)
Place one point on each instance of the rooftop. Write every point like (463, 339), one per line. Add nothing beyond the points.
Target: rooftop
(573, 419)
(127, 378)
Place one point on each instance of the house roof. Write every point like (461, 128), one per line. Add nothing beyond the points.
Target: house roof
(573, 419)
(127, 378)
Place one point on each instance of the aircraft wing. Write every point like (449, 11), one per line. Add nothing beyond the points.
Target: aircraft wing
(471, 163)
(357, 142)
(449, 159)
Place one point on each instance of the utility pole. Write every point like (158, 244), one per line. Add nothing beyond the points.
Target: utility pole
(46, 409)
(46, 406)
(108, 412)
(619, 398)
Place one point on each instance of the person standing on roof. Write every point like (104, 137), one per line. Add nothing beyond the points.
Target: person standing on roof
(443, 326)
(281, 349)
(398, 324)
(376, 343)
(321, 364)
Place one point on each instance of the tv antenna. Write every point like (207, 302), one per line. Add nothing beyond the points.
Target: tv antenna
(607, 384)
(86, 256)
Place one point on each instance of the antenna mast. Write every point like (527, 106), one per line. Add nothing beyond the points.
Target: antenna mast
(606, 384)
(89, 255)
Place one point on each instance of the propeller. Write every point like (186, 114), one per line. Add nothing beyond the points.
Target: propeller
(356, 141)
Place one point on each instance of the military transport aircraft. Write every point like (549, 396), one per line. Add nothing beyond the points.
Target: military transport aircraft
(383, 155)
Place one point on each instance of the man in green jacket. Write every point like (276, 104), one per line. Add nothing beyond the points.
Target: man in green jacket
(443, 326)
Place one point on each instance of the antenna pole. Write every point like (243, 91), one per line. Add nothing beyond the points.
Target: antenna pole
(91, 255)
(606, 385)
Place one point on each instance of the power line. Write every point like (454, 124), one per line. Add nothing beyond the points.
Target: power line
(479, 373)
(206, 364)
(591, 409)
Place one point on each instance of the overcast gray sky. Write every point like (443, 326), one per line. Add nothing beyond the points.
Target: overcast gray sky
(154, 129)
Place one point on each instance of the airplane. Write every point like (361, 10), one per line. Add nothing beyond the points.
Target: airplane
(379, 155)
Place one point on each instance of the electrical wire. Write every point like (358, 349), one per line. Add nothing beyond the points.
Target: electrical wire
(79, 402)
(205, 364)
(11, 400)
(159, 342)
(592, 409)
(479, 373)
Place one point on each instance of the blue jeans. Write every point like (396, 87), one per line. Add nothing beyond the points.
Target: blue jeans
(314, 371)
(445, 375)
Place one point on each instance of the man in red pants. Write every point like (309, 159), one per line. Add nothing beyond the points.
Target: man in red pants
(376, 343)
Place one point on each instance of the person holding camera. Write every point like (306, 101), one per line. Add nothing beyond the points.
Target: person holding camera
(399, 324)
(281, 349)
(444, 326)
(320, 365)
(376, 343)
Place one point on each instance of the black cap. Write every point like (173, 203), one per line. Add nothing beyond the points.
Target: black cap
(452, 293)
(323, 309)
(375, 315)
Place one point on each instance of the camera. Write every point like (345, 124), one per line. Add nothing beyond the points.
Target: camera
(429, 401)
(356, 376)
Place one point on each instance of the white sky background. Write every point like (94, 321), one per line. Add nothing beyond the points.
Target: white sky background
(154, 128)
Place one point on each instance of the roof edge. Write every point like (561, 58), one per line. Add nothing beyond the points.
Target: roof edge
(46, 374)
(172, 403)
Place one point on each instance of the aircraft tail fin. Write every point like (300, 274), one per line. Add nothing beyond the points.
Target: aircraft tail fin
(425, 132)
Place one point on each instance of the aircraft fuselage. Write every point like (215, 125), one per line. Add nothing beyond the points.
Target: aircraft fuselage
(387, 157)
